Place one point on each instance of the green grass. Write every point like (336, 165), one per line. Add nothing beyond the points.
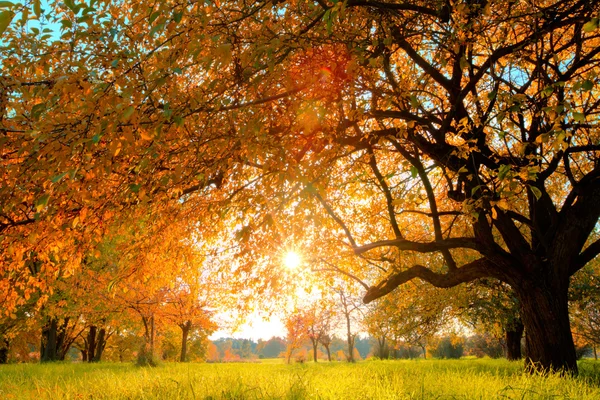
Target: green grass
(417, 379)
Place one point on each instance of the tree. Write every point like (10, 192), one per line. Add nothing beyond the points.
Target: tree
(295, 326)
(272, 348)
(349, 306)
(585, 306)
(463, 126)
(493, 310)
(410, 316)
(318, 319)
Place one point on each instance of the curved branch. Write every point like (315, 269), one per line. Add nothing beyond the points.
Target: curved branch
(394, 7)
(333, 215)
(479, 268)
(421, 247)
(586, 256)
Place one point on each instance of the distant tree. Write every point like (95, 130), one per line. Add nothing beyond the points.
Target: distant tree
(448, 347)
(318, 320)
(272, 348)
(297, 332)
(349, 306)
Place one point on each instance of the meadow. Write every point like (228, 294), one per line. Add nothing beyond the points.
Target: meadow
(409, 379)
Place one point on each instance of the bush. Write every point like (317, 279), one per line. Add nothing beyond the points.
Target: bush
(145, 358)
(449, 347)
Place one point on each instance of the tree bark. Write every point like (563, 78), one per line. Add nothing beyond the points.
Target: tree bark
(424, 349)
(4, 348)
(100, 345)
(513, 336)
(315, 343)
(185, 330)
(383, 354)
(91, 343)
(545, 316)
(328, 353)
(48, 343)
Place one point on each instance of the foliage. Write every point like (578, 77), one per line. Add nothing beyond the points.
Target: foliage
(448, 347)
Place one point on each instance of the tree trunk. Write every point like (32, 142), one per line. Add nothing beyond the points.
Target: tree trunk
(185, 330)
(315, 344)
(383, 354)
(100, 345)
(350, 347)
(91, 343)
(424, 349)
(545, 315)
(328, 353)
(4, 348)
(513, 335)
(48, 343)
(152, 336)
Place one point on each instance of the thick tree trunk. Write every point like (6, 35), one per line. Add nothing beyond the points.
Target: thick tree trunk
(4, 348)
(315, 344)
(48, 344)
(91, 343)
(185, 330)
(514, 334)
(100, 345)
(545, 315)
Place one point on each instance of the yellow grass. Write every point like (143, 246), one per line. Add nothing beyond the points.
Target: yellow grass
(416, 379)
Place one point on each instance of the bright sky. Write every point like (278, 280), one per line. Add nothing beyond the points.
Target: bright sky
(256, 328)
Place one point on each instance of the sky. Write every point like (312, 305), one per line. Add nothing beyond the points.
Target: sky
(259, 326)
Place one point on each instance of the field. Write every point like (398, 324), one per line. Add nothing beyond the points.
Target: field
(416, 379)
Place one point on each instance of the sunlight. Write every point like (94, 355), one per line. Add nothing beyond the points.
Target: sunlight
(292, 260)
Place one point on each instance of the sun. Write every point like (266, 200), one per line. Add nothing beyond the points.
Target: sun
(292, 260)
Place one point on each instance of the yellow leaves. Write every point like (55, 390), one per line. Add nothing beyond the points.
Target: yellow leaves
(223, 54)
(115, 147)
(144, 134)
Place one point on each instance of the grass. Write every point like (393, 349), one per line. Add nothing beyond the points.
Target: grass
(416, 379)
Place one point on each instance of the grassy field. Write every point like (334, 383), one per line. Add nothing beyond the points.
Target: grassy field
(416, 379)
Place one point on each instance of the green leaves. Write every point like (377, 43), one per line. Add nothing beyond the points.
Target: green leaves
(37, 110)
(57, 178)
(503, 171)
(587, 85)
(41, 202)
(591, 25)
(128, 112)
(579, 117)
(5, 20)
(536, 192)
(37, 8)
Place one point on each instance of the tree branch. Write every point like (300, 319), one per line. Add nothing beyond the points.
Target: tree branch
(586, 256)
(479, 268)
(421, 247)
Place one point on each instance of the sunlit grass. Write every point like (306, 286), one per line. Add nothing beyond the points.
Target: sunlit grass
(421, 379)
